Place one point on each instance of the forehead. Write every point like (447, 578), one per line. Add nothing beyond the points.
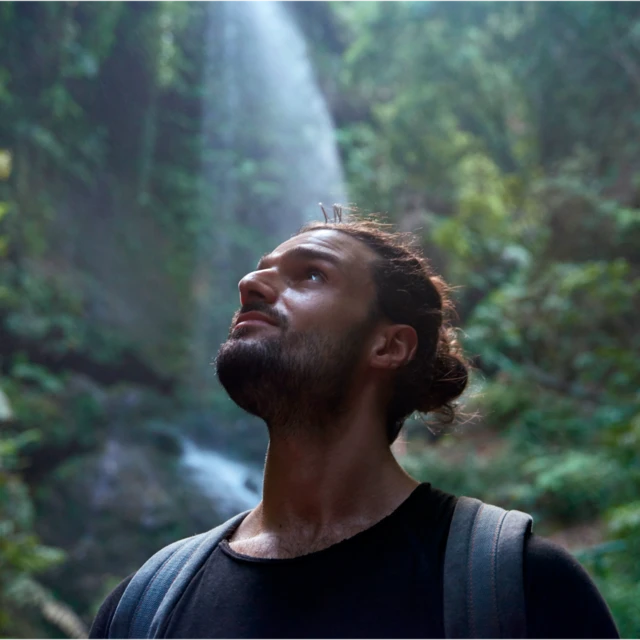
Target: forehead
(354, 256)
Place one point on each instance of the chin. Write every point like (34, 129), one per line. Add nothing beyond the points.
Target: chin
(244, 364)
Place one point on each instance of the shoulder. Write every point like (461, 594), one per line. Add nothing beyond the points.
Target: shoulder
(102, 621)
(561, 599)
(427, 515)
(430, 504)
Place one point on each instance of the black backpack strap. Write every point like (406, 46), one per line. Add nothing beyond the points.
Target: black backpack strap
(483, 572)
(149, 599)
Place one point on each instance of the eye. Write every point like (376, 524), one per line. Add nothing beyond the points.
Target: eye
(316, 275)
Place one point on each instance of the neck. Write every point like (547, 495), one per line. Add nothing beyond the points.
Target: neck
(340, 473)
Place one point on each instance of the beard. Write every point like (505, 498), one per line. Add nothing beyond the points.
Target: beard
(292, 378)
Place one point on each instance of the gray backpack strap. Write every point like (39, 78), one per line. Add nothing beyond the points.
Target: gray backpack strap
(149, 599)
(483, 572)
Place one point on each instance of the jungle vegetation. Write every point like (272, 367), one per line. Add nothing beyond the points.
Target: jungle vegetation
(505, 136)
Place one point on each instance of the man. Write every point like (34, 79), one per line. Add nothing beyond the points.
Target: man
(342, 333)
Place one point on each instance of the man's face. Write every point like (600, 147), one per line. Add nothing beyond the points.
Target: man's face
(297, 341)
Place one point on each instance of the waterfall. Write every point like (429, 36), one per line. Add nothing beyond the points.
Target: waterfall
(272, 120)
(269, 157)
(233, 485)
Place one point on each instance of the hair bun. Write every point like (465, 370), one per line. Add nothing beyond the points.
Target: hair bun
(450, 377)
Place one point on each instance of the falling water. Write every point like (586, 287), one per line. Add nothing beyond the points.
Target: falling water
(273, 121)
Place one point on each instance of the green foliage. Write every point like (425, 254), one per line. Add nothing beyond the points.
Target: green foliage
(614, 564)
(505, 133)
(21, 553)
(100, 111)
(483, 122)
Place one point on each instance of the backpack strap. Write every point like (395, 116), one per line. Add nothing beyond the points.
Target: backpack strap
(147, 602)
(483, 572)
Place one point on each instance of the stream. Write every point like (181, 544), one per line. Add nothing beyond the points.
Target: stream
(234, 486)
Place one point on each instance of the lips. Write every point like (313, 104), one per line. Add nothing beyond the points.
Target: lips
(255, 316)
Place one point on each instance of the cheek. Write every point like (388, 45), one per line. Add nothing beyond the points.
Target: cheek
(324, 311)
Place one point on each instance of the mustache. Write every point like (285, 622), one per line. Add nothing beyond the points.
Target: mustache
(260, 307)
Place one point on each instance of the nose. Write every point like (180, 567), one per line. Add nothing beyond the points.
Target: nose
(257, 285)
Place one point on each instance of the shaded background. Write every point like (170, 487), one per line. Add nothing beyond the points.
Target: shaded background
(150, 152)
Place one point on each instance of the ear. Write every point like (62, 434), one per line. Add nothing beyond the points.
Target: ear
(393, 347)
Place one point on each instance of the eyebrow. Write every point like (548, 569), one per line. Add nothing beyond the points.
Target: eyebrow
(303, 252)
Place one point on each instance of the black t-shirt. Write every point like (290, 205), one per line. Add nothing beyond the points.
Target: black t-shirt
(385, 582)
